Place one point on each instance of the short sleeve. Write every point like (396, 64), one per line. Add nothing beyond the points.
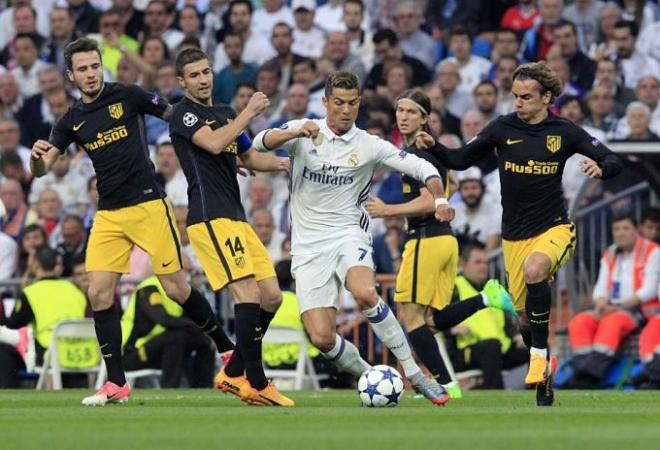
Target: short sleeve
(147, 102)
(185, 121)
(61, 135)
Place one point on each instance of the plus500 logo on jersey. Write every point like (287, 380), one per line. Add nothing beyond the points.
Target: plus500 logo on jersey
(327, 175)
(107, 137)
(532, 167)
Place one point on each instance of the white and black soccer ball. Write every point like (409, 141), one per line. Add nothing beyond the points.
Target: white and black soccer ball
(380, 386)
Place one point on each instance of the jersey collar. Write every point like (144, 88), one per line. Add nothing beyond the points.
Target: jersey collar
(346, 137)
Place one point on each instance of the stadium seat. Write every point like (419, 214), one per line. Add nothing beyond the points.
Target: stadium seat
(81, 329)
(304, 369)
(131, 376)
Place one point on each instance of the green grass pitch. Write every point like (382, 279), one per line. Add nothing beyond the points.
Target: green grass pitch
(206, 419)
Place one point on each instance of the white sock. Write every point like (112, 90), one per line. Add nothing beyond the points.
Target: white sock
(389, 331)
(346, 357)
(539, 351)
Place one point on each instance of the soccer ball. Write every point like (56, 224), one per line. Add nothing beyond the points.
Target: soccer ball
(380, 386)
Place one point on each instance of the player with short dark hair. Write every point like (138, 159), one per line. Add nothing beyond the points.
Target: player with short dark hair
(108, 123)
(208, 140)
(538, 237)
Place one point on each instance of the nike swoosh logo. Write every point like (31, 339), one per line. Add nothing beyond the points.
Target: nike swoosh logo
(512, 141)
(209, 122)
(540, 314)
(77, 127)
(167, 264)
(553, 243)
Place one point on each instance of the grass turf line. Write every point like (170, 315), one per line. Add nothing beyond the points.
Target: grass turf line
(205, 419)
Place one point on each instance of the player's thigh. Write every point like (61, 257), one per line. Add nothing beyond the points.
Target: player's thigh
(315, 287)
(361, 283)
(153, 228)
(221, 248)
(108, 248)
(558, 244)
(444, 287)
(515, 253)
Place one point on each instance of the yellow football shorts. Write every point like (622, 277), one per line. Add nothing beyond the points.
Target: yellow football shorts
(229, 250)
(149, 225)
(557, 243)
(428, 270)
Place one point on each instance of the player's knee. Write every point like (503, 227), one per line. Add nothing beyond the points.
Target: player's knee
(535, 272)
(101, 297)
(271, 301)
(176, 291)
(365, 296)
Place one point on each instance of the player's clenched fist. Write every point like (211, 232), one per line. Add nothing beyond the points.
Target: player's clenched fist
(444, 213)
(39, 149)
(309, 129)
(258, 103)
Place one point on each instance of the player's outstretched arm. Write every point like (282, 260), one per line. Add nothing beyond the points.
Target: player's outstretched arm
(252, 160)
(606, 164)
(42, 157)
(274, 138)
(419, 206)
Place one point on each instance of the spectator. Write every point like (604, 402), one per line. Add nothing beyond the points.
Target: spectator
(605, 47)
(10, 138)
(157, 335)
(157, 21)
(650, 224)
(627, 284)
(398, 78)
(153, 52)
(8, 249)
(507, 45)
(264, 226)
(31, 238)
(388, 50)
(46, 302)
(485, 98)
(48, 209)
(506, 66)
(457, 102)
(11, 99)
(62, 31)
(27, 64)
(606, 76)
(477, 219)
(272, 13)
(329, 17)
(9, 25)
(71, 187)
(360, 40)
(11, 194)
(167, 167)
(488, 340)
(281, 40)
(25, 19)
(472, 123)
(237, 71)
(471, 68)
(80, 278)
(413, 40)
(388, 246)
(520, 17)
(73, 242)
(557, 63)
(127, 72)
(242, 96)
(582, 67)
(601, 105)
(648, 92)
(190, 24)
(585, 15)
(36, 109)
(337, 51)
(304, 72)
(632, 65)
(638, 118)
(268, 82)
(133, 19)
(257, 48)
(86, 16)
(296, 106)
(114, 43)
(11, 166)
(167, 87)
(308, 38)
(538, 39)
(259, 194)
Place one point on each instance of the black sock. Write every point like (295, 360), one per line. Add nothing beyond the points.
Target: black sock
(426, 348)
(537, 306)
(248, 340)
(456, 313)
(526, 333)
(108, 333)
(235, 367)
(199, 310)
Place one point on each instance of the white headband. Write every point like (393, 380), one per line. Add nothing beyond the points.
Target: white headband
(420, 107)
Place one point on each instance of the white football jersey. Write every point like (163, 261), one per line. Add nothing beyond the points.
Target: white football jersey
(330, 180)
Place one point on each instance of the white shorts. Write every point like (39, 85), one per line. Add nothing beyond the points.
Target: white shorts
(320, 276)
